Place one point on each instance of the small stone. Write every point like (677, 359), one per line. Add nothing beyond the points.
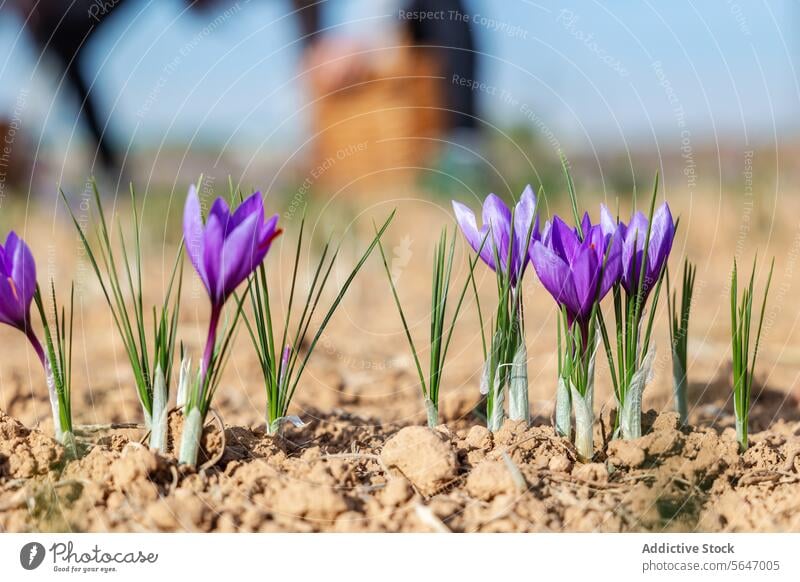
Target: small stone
(667, 421)
(509, 431)
(423, 456)
(136, 462)
(625, 454)
(595, 472)
(161, 515)
(479, 437)
(560, 464)
(664, 442)
(311, 501)
(396, 492)
(490, 479)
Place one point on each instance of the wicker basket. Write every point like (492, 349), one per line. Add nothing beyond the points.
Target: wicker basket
(379, 131)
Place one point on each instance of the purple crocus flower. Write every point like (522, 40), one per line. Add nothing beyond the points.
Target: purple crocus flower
(497, 217)
(17, 287)
(225, 250)
(569, 266)
(633, 238)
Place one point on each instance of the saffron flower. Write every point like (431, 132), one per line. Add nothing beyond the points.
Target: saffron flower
(224, 250)
(17, 286)
(661, 232)
(646, 244)
(578, 266)
(505, 239)
(503, 242)
(18, 289)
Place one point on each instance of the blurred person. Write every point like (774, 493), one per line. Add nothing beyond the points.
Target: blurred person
(360, 50)
(441, 27)
(63, 30)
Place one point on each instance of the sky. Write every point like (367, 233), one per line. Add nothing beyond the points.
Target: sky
(586, 73)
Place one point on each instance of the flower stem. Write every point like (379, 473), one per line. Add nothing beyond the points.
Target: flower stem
(679, 388)
(158, 425)
(584, 424)
(50, 378)
(741, 432)
(211, 341)
(190, 437)
(432, 410)
(563, 409)
(518, 406)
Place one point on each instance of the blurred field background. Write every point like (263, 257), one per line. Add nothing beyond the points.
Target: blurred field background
(372, 107)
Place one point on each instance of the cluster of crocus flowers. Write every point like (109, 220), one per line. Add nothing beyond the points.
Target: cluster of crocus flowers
(224, 250)
(646, 245)
(18, 289)
(504, 243)
(578, 266)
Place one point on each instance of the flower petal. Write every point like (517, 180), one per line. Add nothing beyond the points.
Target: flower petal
(240, 254)
(466, 222)
(10, 313)
(269, 232)
(212, 258)
(607, 222)
(564, 241)
(253, 204)
(585, 272)
(220, 209)
(497, 217)
(193, 233)
(555, 275)
(23, 269)
(526, 222)
(661, 236)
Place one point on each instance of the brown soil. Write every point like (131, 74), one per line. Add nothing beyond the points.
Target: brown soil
(344, 473)
(364, 461)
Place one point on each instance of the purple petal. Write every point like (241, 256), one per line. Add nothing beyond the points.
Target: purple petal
(269, 232)
(545, 237)
(661, 236)
(564, 241)
(613, 266)
(607, 222)
(253, 204)
(220, 209)
(526, 221)
(555, 275)
(586, 225)
(637, 231)
(241, 253)
(585, 271)
(23, 269)
(212, 258)
(466, 222)
(193, 233)
(10, 312)
(497, 217)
